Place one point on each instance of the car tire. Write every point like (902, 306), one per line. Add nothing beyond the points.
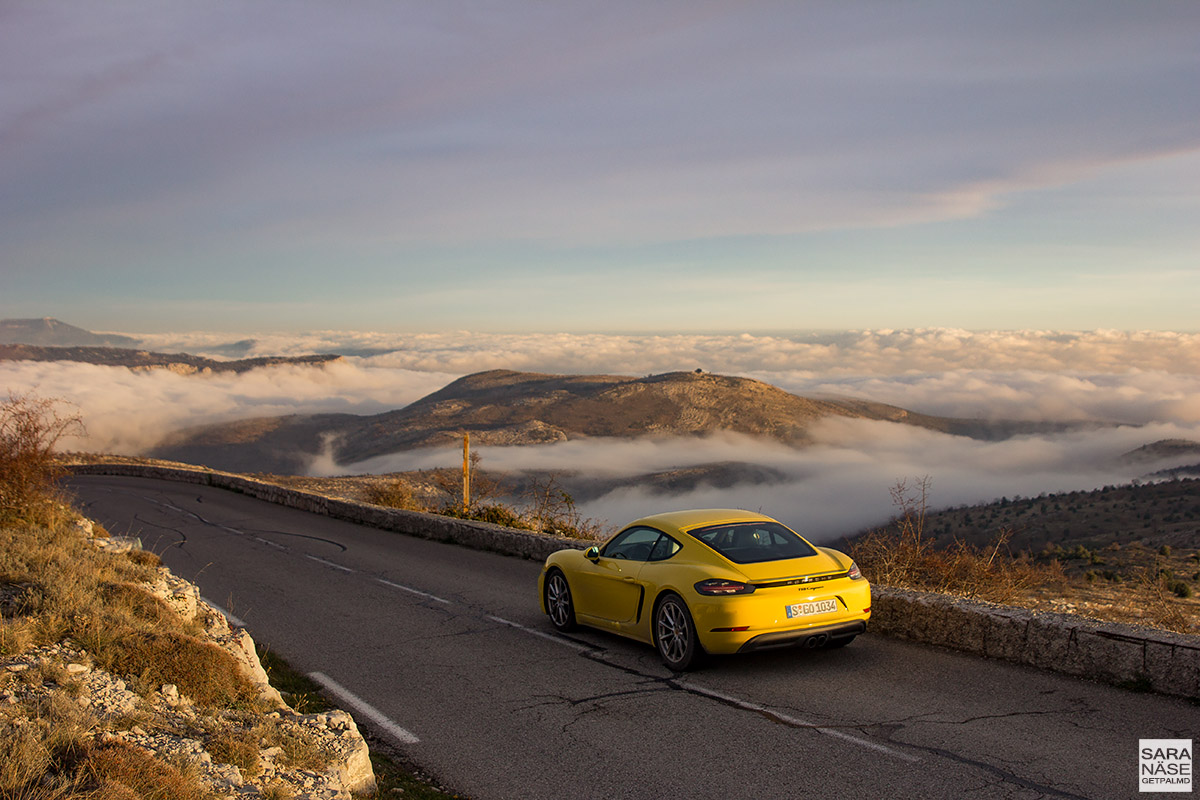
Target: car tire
(675, 634)
(559, 604)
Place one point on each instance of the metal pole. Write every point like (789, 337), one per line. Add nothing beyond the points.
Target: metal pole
(466, 473)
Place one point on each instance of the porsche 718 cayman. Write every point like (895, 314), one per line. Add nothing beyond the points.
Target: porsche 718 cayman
(708, 581)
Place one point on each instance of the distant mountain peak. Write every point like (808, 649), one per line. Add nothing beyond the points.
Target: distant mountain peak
(51, 332)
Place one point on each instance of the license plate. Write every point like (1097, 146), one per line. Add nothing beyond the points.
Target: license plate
(810, 609)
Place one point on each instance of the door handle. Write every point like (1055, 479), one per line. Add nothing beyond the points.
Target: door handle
(629, 578)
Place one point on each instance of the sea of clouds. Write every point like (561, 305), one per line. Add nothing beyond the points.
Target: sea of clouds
(1135, 388)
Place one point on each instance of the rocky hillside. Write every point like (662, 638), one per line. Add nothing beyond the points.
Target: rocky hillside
(105, 714)
(181, 363)
(502, 407)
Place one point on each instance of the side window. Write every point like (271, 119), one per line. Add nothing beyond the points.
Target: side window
(664, 548)
(634, 544)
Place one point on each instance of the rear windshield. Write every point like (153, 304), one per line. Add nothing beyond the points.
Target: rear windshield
(752, 542)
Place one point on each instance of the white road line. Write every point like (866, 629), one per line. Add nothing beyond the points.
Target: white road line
(735, 701)
(837, 734)
(328, 563)
(363, 707)
(412, 591)
(234, 621)
(551, 637)
(269, 543)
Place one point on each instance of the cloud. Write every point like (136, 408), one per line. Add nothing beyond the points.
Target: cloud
(838, 486)
(128, 411)
(806, 356)
(1133, 397)
(627, 121)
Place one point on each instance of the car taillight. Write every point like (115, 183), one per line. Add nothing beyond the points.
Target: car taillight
(855, 573)
(718, 586)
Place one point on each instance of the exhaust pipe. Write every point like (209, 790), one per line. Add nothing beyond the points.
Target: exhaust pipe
(813, 642)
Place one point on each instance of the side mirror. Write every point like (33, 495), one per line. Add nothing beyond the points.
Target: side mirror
(592, 553)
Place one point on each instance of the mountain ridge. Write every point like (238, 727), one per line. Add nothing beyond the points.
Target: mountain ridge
(182, 363)
(505, 407)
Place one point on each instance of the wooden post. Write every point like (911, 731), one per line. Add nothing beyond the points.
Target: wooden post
(466, 472)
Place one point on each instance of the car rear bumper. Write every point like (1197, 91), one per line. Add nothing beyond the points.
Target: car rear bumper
(807, 637)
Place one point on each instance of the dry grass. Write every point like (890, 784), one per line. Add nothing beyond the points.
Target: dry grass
(904, 560)
(278, 791)
(239, 740)
(53, 755)
(238, 746)
(904, 556)
(396, 493)
(55, 587)
(117, 770)
(60, 587)
(202, 671)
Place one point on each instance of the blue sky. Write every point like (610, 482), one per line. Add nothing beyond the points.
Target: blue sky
(601, 166)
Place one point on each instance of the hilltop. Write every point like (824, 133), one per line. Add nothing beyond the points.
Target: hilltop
(502, 407)
(51, 332)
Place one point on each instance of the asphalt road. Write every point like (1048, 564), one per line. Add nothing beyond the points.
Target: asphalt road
(470, 681)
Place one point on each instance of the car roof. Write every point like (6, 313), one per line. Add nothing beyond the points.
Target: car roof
(699, 517)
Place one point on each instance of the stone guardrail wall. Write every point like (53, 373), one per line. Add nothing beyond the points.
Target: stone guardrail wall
(468, 533)
(1123, 655)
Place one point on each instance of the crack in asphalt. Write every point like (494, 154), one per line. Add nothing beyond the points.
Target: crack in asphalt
(178, 532)
(1001, 774)
(675, 683)
(612, 695)
(338, 545)
(162, 500)
(1008, 715)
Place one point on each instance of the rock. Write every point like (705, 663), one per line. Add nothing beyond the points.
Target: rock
(241, 646)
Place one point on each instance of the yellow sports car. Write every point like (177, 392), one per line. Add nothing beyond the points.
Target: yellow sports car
(708, 581)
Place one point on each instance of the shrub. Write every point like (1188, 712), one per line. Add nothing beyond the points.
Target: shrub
(118, 770)
(494, 513)
(1162, 605)
(30, 428)
(902, 556)
(395, 494)
(204, 672)
(551, 509)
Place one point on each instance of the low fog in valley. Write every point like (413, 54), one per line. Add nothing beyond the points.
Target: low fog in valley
(1135, 388)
